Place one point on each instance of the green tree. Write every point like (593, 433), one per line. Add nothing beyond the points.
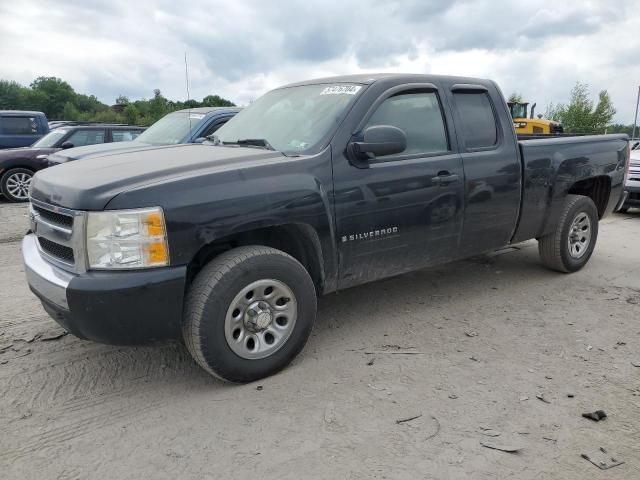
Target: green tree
(515, 97)
(58, 100)
(70, 112)
(12, 95)
(580, 115)
(89, 103)
(131, 114)
(157, 105)
(216, 101)
(54, 93)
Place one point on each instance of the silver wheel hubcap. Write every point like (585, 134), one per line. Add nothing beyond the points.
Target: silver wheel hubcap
(18, 185)
(260, 319)
(579, 235)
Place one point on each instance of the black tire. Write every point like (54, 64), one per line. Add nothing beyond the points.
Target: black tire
(554, 248)
(209, 300)
(12, 175)
(623, 210)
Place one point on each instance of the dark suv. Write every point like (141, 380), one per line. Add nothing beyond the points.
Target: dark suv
(17, 165)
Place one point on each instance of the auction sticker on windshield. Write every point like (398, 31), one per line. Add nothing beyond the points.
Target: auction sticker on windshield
(341, 90)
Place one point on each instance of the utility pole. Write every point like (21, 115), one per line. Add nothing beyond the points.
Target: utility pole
(635, 119)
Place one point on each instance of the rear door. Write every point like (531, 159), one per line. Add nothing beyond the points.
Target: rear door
(492, 167)
(403, 211)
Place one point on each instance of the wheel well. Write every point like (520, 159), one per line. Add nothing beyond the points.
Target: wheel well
(298, 240)
(597, 189)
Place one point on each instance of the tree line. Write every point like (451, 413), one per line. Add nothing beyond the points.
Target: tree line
(59, 101)
(582, 114)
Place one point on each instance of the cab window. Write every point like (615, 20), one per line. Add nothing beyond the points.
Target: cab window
(477, 121)
(19, 125)
(419, 116)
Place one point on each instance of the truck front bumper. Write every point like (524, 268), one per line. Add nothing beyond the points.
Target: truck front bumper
(120, 308)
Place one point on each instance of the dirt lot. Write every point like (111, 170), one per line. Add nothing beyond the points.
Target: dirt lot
(467, 347)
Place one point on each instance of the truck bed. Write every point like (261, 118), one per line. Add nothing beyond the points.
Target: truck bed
(553, 165)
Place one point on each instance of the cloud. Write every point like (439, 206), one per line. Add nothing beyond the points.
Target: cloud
(241, 49)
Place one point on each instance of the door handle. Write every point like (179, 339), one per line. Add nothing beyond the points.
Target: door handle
(445, 178)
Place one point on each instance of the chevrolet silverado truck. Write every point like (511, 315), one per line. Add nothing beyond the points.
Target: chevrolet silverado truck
(315, 187)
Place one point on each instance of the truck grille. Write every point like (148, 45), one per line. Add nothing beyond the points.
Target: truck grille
(56, 218)
(60, 233)
(56, 250)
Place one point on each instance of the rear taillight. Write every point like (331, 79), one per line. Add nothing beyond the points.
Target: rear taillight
(627, 165)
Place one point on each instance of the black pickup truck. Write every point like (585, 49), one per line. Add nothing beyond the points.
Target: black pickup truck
(316, 187)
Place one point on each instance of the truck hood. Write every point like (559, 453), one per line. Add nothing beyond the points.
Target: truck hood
(96, 150)
(92, 183)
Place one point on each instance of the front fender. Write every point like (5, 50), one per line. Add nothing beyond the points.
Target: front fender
(204, 209)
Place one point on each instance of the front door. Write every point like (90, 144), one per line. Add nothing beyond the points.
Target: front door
(405, 210)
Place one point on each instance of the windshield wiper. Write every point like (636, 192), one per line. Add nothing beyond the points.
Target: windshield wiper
(251, 142)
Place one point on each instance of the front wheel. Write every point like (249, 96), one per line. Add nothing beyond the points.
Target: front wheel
(248, 313)
(570, 246)
(15, 183)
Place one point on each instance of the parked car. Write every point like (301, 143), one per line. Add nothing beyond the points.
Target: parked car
(632, 185)
(183, 126)
(17, 165)
(315, 187)
(19, 128)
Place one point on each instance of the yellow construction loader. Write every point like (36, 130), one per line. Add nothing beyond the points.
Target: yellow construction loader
(530, 125)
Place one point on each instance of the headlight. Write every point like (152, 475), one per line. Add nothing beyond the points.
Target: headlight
(121, 239)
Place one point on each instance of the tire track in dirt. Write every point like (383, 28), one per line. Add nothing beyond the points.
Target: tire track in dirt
(87, 394)
(91, 374)
(111, 411)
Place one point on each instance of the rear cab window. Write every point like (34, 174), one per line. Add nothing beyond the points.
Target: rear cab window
(477, 121)
(19, 125)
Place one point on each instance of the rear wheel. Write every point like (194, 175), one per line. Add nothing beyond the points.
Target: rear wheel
(15, 184)
(570, 246)
(248, 313)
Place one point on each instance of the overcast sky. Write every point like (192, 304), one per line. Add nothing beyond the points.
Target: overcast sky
(240, 49)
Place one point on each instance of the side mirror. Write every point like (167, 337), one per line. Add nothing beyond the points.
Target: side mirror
(66, 145)
(378, 140)
(199, 140)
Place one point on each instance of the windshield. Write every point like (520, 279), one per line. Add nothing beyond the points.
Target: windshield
(50, 139)
(171, 129)
(291, 119)
(519, 110)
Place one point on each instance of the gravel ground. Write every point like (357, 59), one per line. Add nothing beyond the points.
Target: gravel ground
(464, 348)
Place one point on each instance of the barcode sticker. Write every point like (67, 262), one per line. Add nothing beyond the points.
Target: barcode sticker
(341, 90)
